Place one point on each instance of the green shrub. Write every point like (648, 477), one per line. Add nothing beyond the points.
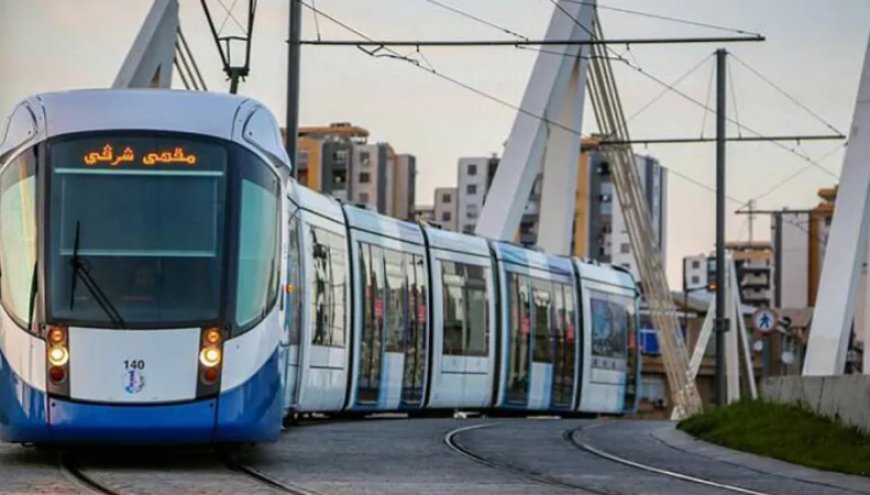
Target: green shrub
(790, 433)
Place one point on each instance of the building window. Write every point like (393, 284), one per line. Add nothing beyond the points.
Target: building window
(302, 158)
(340, 156)
(471, 212)
(446, 198)
(363, 197)
(365, 157)
(696, 280)
(471, 189)
(696, 264)
(445, 216)
(468, 229)
(624, 248)
(365, 177)
(339, 177)
(472, 169)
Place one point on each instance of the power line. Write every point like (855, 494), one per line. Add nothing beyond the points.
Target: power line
(514, 43)
(477, 19)
(391, 53)
(785, 94)
(693, 100)
(797, 173)
(707, 98)
(231, 15)
(734, 100)
(316, 20)
(664, 17)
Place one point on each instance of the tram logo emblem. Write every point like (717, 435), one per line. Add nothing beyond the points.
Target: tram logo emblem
(134, 381)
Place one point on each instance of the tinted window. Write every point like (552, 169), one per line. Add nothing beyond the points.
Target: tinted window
(397, 300)
(612, 321)
(159, 258)
(330, 282)
(18, 235)
(466, 316)
(294, 295)
(258, 250)
(542, 299)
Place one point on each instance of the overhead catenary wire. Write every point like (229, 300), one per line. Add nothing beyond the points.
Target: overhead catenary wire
(785, 93)
(392, 53)
(734, 100)
(785, 180)
(227, 17)
(694, 100)
(707, 98)
(232, 16)
(316, 20)
(478, 19)
(664, 17)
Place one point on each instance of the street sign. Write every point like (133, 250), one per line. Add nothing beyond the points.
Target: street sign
(763, 320)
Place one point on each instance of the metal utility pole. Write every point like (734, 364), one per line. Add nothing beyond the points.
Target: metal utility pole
(293, 64)
(721, 316)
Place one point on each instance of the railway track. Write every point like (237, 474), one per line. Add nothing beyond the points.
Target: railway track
(451, 441)
(248, 478)
(570, 437)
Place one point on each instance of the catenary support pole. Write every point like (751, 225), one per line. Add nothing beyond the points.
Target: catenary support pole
(293, 65)
(721, 315)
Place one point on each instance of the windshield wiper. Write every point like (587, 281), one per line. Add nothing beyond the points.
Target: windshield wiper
(81, 271)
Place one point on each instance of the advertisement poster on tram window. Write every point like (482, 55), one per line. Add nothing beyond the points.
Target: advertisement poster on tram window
(609, 331)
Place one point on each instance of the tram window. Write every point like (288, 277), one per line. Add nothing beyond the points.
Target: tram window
(610, 324)
(338, 265)
(257, 252)
(454, 310)
(322, 293)
(422, 293)
(477, 334)
(328, 251)
(18, 235)
(465, 310)
(396, 300)
(543, 301)
(293, 314)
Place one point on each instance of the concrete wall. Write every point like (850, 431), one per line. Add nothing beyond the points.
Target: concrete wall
(846, 397)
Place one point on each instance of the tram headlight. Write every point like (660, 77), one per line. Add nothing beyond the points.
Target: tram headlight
(212, 336)
(56, 335)
(210, 357)
(58, 356)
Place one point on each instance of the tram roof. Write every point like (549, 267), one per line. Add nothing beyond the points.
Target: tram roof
(222, 116)
(518, 255)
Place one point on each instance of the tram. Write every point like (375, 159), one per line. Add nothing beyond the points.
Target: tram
(164, 279)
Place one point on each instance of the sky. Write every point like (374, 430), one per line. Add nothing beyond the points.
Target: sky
(814, 50)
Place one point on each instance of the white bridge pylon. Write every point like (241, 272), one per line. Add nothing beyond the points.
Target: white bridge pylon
(847, 246)
(556, 92)
(149, 61)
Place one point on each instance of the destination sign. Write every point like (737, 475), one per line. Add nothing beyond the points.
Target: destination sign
(107, 156)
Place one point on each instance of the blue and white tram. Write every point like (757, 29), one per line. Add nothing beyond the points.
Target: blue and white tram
(139, 262)
(164, 279)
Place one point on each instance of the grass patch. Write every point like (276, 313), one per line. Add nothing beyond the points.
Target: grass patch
(786, 432)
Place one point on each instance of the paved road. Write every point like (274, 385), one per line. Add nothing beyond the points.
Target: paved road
(443, 456)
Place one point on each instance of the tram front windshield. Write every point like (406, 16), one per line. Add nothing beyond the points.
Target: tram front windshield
(138, 229)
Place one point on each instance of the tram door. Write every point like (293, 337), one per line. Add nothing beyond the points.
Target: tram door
(563, 368)
(415, 332)
(371, 340)
(518, 350)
